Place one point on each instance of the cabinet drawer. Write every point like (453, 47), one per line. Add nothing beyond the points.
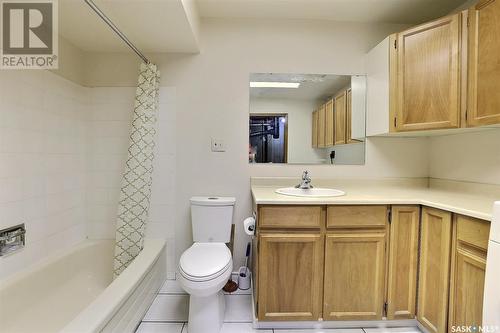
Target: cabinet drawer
(356, 216)
(290, 217)
(473, 231)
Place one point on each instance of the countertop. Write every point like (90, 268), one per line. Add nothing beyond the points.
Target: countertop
(470, 199)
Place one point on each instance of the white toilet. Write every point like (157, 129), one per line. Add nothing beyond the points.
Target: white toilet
(207, 265)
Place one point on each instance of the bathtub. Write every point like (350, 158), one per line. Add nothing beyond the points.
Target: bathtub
(75, 291)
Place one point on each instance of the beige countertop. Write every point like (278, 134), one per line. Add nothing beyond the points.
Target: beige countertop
(471, 199)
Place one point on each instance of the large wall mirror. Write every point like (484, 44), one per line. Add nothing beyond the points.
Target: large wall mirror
(307, 118)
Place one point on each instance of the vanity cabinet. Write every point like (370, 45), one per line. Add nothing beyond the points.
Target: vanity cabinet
(434, 273)
(354, 275)
(291, 276)
(369, 262)
(403, 262)
(484, 68)
(355, 246)
(469, 252)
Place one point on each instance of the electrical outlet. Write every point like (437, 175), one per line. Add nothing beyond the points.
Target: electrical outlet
(218, 145)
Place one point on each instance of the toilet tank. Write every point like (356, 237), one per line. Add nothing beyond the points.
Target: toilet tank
(211, 218)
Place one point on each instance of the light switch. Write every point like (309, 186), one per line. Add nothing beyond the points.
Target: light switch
(218, 145)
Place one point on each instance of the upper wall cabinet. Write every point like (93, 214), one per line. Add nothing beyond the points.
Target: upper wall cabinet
(428, 76)
(484, 67)
(439, 75)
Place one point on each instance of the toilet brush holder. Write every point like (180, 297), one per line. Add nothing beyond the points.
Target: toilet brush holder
(244, 278)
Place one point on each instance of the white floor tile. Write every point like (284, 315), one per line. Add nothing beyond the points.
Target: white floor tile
(236, 328)
(172, 287)
(160, 328)
(238, 309)
(168, 308)
(322, 330)
(393, 330)
(241, 328)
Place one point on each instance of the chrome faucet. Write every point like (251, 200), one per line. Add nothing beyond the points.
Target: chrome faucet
(305, 184)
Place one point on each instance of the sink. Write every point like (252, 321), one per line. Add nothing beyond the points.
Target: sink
(315, 192)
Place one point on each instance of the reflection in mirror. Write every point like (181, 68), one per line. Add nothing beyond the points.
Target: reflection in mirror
(307, 118)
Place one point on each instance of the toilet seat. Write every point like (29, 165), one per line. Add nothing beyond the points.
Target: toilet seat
(205, 261)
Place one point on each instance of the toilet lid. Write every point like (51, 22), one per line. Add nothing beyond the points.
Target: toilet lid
(203, 260)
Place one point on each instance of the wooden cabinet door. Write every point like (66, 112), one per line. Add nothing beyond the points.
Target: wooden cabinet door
(466, 301)
(428, 89)
(354, 276)
(314, 132)
(403, 257)
(290, 276)
(484, 67)
(468, 271)
(321, 126)
(329, 132)
(340, 118)
(434, 270)
(348, 114)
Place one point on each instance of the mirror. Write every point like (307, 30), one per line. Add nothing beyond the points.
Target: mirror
(307, 118)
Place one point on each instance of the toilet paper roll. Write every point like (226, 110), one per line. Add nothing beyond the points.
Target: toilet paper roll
(249, 226)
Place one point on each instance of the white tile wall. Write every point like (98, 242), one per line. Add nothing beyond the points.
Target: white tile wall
(62, 152)
(42, 163)
(108, 125)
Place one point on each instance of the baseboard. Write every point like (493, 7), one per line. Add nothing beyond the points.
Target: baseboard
(321, 324)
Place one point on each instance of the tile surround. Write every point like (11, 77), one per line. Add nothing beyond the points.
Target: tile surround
(42, 163)
(62, 149)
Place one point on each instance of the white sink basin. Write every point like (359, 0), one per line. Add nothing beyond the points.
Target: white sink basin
(315, 192)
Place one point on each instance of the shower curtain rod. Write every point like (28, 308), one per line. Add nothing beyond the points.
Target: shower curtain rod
(120, 34)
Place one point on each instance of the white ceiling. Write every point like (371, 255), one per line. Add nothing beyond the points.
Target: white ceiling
(313, 86)
(389, 11)
(172, 25)
(152, 25)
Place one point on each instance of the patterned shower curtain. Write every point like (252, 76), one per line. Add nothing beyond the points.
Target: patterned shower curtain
(135, 194)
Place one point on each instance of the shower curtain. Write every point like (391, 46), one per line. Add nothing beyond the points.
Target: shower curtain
(135, 193)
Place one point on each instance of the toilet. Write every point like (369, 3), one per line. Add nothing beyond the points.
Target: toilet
(206, 266)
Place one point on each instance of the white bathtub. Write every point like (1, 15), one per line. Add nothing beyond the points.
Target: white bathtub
(74, 291)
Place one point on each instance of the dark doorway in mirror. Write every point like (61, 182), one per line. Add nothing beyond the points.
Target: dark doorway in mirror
(268, 138)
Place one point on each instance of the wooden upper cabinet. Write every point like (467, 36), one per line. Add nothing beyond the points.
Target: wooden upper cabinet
(434, 270)
(321, 126)
(330, 123)
(314, 132)
(403, 255)
(290, 276)
(428, 75)
(483, 65)
(354, 276)
(348, 130)
(340, 118)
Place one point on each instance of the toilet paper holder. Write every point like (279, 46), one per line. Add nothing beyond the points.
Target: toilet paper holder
(249, 225)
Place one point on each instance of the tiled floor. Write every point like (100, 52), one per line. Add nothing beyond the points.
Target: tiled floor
(168, 314)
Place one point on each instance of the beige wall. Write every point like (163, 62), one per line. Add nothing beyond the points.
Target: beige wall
(471, 157)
